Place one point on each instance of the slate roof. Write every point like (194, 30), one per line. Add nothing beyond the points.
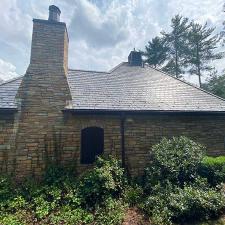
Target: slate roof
(8, 92)
(136, 88)
(127, 88)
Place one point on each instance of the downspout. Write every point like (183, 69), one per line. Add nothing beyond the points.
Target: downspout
(122, 121)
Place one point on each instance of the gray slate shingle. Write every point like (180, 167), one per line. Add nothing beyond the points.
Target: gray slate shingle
(137, 88)
(127, 88)
(8, 92)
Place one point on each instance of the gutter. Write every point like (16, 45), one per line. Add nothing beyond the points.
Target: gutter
(8, 110)
(140, 112)
(122, 131)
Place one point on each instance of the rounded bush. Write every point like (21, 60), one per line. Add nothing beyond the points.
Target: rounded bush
(175, 160)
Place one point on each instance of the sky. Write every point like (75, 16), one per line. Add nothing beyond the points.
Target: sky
(101, 32)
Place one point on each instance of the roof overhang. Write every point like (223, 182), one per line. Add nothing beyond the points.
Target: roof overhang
(140, 112)
(8, 110)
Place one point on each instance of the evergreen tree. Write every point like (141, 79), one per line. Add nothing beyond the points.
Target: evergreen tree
(215, 84)
(177, 40)
(156, 52)
(201, 49)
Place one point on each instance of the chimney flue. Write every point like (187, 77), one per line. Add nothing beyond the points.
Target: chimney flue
(135, 59)
(54, 13)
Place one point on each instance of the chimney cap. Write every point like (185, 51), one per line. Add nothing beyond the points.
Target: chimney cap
(54, 8)
(54, 13)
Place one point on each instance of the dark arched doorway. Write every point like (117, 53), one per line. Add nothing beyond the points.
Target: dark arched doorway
(92, 144)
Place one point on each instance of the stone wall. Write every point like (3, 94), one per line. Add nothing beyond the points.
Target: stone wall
(141, 132)
(146, 131)
(8, 129)
(52, 136)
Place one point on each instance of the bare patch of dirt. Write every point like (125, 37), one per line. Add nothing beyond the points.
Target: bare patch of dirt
(135, 217)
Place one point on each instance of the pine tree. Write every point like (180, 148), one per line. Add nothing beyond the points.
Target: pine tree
(201, 49)
(215, 84)
(177, 40)
(156, 52)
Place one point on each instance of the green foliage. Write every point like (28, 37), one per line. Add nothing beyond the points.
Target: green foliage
(17, 203)
(133, 195)
(202, 44)
(46, 199)
(10, 219)
(171, 203)
(213, 168)
(175, 160)
(215, 84)
(6, 188)
(105, 180)
(188, 47)
(176, 42)
(57, 174)
(172, 191)
(156, 52)
(69, 216)
(111, 213)
(42, 207)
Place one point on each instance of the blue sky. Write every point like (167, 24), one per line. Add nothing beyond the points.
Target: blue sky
(102, 32)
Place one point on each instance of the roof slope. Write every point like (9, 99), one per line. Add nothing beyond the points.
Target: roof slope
(8, 92)
(127, 88)
(136, 88)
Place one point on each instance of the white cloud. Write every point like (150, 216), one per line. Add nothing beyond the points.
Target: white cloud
(95, 29)
(101, 32)
(16, 25)
(7, 70)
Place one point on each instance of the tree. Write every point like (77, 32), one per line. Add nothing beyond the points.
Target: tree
(201, 49)
(176, 41)
(216, 84)
(156, 52)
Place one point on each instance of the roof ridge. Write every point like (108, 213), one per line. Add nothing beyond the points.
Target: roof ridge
(95, 71)
(192, 85)
(116, 67)
(11, 80)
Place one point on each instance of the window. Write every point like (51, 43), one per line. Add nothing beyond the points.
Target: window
(92, 144)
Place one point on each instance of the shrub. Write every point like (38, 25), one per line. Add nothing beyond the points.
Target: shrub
(56, 174)
(213, 168)
(170, 204)
(133, 195)
(46, 199)
(105, 180)
(10, 219)
(69, 216)
(42, 207)
(175, 160)
(111, 212)
(6, 188)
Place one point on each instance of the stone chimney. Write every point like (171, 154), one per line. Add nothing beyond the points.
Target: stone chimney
(42, 96)
(134, 58)
(49, 42)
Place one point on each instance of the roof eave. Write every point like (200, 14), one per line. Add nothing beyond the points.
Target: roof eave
(141, 112)
(8, 110)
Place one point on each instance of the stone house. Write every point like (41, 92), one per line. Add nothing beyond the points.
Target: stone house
(53, 113)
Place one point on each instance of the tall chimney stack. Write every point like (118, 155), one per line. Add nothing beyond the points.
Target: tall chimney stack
(49, 47)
